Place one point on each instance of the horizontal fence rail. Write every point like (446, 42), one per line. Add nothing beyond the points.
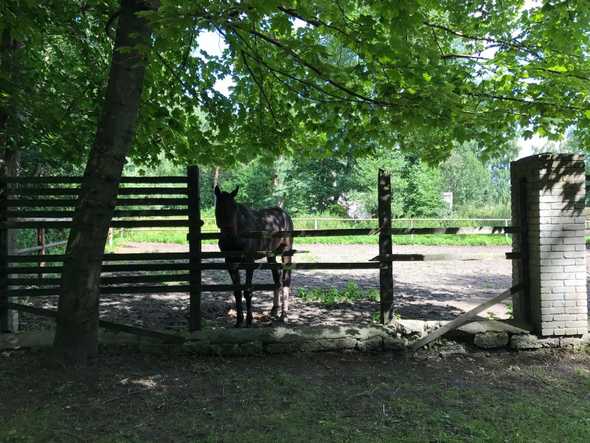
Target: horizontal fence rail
(34, 224)
(484, 230)
(78, 180)
(76, 191)
(56, 214)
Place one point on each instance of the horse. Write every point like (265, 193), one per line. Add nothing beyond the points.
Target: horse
(234, 221)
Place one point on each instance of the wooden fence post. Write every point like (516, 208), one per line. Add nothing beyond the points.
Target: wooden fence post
(5, 325)
(385, 248)
(194, 237)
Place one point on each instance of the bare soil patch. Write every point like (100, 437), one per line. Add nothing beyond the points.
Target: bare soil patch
(431, 290)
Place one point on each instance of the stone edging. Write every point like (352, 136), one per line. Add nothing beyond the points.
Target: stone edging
(398, 336)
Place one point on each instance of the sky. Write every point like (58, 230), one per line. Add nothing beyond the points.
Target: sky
(213, 44)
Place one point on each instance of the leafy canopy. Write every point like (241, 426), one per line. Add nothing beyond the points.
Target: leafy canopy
(311, 78)
(419, 74)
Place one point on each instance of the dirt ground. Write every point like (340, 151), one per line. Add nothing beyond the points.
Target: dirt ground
(432, 290)
(127, 396)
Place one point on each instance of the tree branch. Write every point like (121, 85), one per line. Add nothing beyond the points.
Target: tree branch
(317, 71)
(316, 22)
(260, 86)
(523, 101)
(256, 57)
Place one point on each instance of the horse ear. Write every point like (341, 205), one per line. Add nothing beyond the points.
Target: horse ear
(217, 191)
(235, 191)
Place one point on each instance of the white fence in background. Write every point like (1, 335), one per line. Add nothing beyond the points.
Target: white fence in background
(319, 222)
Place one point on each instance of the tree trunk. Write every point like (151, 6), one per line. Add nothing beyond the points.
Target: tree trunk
(216, 176)
(76, 337)
(9, 70)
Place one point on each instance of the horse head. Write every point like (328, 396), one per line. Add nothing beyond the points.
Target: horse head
(226, 210)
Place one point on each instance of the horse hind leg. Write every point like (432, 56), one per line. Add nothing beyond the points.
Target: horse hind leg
(248, 296)
(235, 278)
(286, 290)
(276, 277)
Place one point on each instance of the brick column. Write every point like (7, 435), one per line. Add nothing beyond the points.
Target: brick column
(552, 188)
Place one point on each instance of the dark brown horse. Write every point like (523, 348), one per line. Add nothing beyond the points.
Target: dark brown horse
(235, 221)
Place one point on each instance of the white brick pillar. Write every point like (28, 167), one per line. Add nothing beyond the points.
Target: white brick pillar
(548, 196)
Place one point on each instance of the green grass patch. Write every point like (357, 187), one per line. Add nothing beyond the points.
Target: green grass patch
(179, 237)
(131, 397)
(351, 293)
(426, 240)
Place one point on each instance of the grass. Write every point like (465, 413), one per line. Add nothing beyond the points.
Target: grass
(131, 397)
(179, 237)
(350, 294)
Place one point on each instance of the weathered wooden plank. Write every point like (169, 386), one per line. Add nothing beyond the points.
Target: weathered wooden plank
(228, 288)
(210, 235)
(483, 230)
(71, 202)
(135, 267)
(41, 203)
(294, 266)
(161, 180)
(216, 254)
(135, 256)
(155, 201)
(146, 256)
(117, 280)
(37, 248)
(19, 214)
(313, 233)
(75, 191)
(121, 290)
(464, 318)
(41, 180)
(436, 257)
(105, 290)
(398, 257)
(159, 223)
(169, 338)
(78, 180)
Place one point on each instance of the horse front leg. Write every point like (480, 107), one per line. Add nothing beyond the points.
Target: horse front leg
(248, 296)
(286, 289)
(276, 278)
(235, 279)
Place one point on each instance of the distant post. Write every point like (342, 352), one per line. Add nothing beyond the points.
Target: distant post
(41, 246)
(194, 242)
(385, 247)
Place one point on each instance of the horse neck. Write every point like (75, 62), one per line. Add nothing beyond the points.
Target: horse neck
(239, 222)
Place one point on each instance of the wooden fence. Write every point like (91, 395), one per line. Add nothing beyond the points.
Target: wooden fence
(49, 202)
